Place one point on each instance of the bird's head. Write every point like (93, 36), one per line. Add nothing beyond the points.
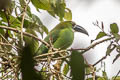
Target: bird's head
(78, 28)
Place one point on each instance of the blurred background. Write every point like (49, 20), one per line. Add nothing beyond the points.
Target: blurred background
(84, 13)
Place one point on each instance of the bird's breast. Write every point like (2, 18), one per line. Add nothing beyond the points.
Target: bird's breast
(65, 39)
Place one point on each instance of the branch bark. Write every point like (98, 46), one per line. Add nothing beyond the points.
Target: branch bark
(25, 33)
(35, 37)
(93, 45)
(22, 22)
(83, 49)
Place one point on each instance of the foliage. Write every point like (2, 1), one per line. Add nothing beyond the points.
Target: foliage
(19, 27)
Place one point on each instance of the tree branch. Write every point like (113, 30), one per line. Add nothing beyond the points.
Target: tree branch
(84, 49)
(92, 46)
(35, 37)
(117, 75)
(58, 58)
(25, 33)
(22, 22)
(100, 60)
(51, 53)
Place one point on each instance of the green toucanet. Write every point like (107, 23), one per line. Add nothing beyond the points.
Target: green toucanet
(61, 36)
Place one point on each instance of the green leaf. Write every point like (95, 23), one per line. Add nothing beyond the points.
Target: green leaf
(77, 66)
(2, 15)
(58, 8)
(14, 22)
(38, 21)
(22, 3)
(10, 7)
(114, 28)
(27, 62)
(10, 34)
(53, 2)
(117, 36)
(100, 35)
(44, 29)
(29, 12)
(68, 14)
(41, 4)
(65, 69)
(35, 24)
(2, 31)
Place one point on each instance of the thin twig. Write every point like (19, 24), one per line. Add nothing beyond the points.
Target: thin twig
(92, 46)
(100, 60)
(8, 44)
(4, 38)
(58, 58)
(5, 44)
(117, 75)
(22, 22)
(25, 33)
(2, 78)
(84, 49)
(62, 74)
(35, 37)
(51, 53)
(4, 63)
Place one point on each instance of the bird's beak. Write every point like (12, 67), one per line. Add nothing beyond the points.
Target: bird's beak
(78, 28)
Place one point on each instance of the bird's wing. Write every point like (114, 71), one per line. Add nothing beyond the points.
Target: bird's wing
(51, 36)
(60, 39)
(65, 39)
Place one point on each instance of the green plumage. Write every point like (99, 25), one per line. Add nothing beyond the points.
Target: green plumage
(61, 36)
